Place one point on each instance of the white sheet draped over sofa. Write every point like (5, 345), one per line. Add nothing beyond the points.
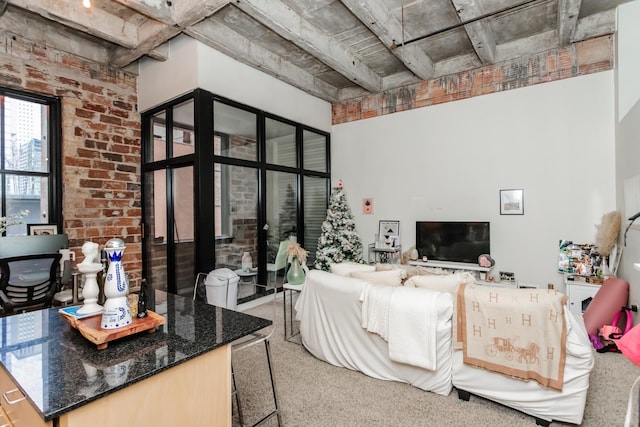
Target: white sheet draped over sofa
(330, 314)
(330, 311)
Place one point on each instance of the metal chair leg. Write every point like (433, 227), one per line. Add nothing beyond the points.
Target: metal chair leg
(276, 411)
(273, 382)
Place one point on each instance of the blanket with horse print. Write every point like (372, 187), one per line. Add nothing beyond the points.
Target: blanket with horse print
(517, 332)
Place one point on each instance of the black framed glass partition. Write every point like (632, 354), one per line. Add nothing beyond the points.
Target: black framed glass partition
(221, 179)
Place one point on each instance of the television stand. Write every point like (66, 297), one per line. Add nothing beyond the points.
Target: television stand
(449, 265)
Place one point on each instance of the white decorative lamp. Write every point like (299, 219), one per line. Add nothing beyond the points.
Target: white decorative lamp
(116, 308)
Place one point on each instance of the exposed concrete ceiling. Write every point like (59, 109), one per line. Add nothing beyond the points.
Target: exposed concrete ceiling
(333, 49)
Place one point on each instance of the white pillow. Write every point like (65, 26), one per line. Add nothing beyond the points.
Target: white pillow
(383, 278)
(441, 283)
(345, 268)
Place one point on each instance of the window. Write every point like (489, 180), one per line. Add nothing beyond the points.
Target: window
(29, 159)
(221, 217)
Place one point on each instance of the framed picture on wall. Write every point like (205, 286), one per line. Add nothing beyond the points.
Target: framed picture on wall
(511, 202)
(389, 233)
(389, 228)
(42, 229)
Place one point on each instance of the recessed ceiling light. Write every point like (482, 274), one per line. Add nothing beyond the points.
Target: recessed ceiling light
(86, 3)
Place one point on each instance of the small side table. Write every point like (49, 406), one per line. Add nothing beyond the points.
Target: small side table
(248, 277)
(384, 255)
(288, 329)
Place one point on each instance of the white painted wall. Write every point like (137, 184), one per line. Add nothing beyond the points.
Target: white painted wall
(448, 162)
(628, 135)
(160, 81)
(227, 77)
(192, 65)
(627, 58)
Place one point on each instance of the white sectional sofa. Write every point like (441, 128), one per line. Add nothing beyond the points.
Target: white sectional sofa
(334, 329)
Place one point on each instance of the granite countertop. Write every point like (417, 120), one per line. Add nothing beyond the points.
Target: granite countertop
(59, 370)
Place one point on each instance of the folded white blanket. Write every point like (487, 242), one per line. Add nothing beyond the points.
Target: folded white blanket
(406, 318)
(412, 327)
(375, 309)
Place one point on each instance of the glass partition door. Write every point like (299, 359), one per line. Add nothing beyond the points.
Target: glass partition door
(169, 227)
(222, 180)
(239, 213)
(282, 217)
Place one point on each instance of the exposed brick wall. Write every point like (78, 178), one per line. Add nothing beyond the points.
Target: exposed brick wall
(589, 56)
(100, 142)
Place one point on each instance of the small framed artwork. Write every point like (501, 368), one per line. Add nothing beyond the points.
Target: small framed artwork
(507, 276)
(511, 202)
(389, 232)
(42, 229)
(367, 206)
(386, 228)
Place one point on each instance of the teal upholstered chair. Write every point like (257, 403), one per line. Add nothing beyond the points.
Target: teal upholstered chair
(280, 262)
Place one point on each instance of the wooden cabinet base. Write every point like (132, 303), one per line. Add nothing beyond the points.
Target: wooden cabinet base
(194, 393)
(18, 411)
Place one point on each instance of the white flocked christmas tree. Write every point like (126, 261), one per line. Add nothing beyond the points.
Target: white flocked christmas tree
(339, 241)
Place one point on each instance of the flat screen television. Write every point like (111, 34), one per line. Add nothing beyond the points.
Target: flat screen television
(454, 241)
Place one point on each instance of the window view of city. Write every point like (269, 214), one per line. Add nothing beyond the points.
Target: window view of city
(24, 167)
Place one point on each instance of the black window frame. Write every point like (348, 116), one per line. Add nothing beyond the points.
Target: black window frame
(54, 152)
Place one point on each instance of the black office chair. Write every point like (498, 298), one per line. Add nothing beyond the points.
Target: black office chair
(28, 282)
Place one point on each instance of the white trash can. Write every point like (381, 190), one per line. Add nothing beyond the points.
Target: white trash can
(222, 288)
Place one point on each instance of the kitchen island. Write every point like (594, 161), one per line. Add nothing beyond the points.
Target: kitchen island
(50, 375)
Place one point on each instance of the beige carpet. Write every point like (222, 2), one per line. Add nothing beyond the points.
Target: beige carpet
(315, 393)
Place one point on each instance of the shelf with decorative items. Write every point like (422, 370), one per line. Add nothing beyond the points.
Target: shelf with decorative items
(450, 265)
(384, 255)
(479, 271)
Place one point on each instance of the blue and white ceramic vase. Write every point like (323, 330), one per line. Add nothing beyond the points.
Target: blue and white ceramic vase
(116, 308)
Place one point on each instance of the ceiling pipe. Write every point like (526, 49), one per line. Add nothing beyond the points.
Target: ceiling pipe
(461, 24)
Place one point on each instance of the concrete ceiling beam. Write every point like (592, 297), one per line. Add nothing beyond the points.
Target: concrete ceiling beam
(152, 46)
(180, 13)
(232, 44)
(568, 11)
(479, 32)
(94, 21)
(281, 19)
(189, 12)
(168, 19)
(160, 10)
(39, 30)
(376, 16)
(595, 25)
